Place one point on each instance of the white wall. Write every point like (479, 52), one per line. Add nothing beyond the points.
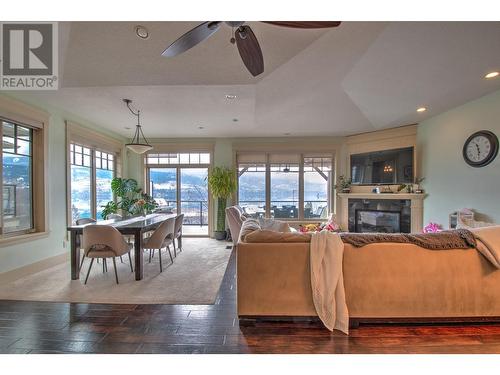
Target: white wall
(452, 184)
(15, 256)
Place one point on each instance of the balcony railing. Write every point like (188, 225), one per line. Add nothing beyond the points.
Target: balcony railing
(286, 209)
(195, 212)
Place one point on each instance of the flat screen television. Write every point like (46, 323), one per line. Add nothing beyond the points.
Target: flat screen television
(389, 167)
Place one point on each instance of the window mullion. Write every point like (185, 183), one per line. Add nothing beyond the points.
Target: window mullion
(93, 187)
(301, 188)
(268, 187)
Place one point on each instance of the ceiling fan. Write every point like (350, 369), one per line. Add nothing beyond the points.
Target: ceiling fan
(245, 39)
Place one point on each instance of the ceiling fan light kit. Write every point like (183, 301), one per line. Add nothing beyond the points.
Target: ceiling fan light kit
(137, 146)
(244, 38)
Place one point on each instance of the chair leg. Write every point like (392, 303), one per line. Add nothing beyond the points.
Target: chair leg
(175, 251)
(161, 266)
(149, 255)
(88, 272)
(104, 265)
(81, 263)
(179, 242)
(121, 260)
(116, 273)
(171, 259)
(130, 261)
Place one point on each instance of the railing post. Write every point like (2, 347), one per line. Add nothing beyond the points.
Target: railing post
(201, 213)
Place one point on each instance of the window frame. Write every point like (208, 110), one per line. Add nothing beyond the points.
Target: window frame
(93, 178)
(96, 142)
(267, 162)
(16, 112)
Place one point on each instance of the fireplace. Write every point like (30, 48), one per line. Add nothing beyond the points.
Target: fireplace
(379, 215)
(377, 221)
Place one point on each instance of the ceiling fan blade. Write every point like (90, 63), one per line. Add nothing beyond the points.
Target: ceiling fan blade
(192, 38)
(249, 50)
(305, 24)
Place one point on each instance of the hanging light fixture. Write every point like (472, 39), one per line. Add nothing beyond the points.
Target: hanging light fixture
(136, 145)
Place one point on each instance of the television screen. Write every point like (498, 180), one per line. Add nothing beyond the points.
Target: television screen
(383, 167)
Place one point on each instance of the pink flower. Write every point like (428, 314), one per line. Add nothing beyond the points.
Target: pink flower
(432, 228)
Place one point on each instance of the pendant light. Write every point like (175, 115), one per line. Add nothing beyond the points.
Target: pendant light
(136, 145)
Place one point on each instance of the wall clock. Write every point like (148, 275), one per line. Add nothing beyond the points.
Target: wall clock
(480, 149)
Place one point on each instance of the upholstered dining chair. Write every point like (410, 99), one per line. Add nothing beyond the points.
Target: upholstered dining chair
(177, 234)
(104, 241)
(161, 237)
(83, 221)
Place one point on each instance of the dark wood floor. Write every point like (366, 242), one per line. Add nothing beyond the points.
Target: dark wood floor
(44, 327)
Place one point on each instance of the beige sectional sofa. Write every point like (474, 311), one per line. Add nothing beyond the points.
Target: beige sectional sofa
(383, 281)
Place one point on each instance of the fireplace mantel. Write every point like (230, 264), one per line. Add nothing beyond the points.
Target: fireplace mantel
(417, 207)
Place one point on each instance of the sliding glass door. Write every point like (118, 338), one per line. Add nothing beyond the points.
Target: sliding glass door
(194, 197)
(178, 183)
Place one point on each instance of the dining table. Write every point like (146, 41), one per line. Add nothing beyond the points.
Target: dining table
(132, 226)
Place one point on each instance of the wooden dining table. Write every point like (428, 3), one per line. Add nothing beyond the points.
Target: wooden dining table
(135, 226)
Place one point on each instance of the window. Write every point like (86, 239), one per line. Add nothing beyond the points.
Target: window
(252, 189)
(285, 186)
(178, 183)
(178, 158)
(316, 177)
(285, 191)
(91, 174)
(17, 177)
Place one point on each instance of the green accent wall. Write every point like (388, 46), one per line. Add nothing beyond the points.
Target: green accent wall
(450, 183)
(56, 243)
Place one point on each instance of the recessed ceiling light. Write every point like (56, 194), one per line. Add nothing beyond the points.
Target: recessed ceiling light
(201, 127)
(235, 120)
(421, 109)
(491, 75)
(230, 96)
(127, 127)
(141, 32)
(286, 133)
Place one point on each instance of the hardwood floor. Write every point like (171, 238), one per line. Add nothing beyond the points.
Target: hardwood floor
(44, 327)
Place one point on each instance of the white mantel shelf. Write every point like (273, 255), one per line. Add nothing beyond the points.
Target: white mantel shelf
(417, 207)
(382, 195)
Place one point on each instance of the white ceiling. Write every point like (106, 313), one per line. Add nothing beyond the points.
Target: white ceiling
(359, 77)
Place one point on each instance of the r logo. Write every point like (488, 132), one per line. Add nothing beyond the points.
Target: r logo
(27, 49)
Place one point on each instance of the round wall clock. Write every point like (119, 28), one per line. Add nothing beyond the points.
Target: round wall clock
(480, 149)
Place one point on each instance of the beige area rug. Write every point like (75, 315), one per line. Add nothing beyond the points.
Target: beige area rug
(194, 278)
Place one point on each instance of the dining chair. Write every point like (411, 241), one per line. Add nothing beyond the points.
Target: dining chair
(177, 234)
(83, 221)
(104, 241)
(161, 237)
(119, 217)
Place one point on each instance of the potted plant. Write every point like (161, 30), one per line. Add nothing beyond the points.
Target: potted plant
(222, 183)
(344, 184)
(131, 200)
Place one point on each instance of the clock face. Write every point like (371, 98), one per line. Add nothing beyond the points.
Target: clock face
(480, 148)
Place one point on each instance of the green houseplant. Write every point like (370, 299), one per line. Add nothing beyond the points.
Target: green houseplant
(131, 200)
(222, 183)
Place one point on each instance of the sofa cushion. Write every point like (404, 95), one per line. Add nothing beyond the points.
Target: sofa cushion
(275, 225)
(270, 236)
(249, 225)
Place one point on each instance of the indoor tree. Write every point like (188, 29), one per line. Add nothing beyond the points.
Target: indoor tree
(222, 183)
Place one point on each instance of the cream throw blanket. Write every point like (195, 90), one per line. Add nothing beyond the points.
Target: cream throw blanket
(327, 280)
(488, 243)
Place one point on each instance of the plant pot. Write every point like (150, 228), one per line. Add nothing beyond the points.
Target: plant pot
(220, 235)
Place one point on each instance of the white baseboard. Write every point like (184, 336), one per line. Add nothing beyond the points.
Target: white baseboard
(32, 268)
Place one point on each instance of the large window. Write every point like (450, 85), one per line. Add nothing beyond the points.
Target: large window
(17, 172)
(178, 183)
(285, 186)
(91, 174)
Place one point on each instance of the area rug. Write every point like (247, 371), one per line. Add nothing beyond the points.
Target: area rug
(194, 278)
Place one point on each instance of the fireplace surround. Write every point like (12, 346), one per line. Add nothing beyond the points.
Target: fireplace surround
(409, 207)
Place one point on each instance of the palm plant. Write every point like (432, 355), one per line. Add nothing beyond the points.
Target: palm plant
(222, 183)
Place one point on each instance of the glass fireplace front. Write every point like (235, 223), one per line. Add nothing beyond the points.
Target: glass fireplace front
(378, 221)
